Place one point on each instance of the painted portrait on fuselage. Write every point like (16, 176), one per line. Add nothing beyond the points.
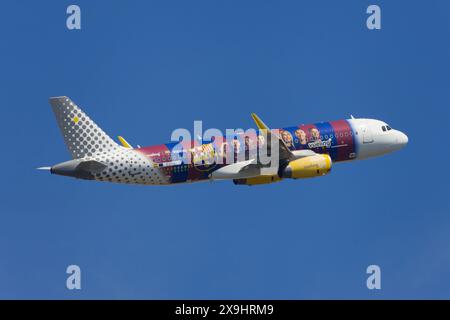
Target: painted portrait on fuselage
(287, 138)
(300, 138)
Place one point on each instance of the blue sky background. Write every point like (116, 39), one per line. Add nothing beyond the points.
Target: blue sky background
(144, 68)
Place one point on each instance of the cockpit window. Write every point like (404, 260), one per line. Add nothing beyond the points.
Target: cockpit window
(389, 128)
(384, 128)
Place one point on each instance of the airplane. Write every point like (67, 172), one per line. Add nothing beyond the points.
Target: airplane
(304, 151)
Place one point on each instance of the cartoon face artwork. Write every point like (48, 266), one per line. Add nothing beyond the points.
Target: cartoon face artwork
(301, 136)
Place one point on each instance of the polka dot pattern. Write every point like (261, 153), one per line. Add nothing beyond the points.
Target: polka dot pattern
(86, 141)
(128, 166)
(81, 135)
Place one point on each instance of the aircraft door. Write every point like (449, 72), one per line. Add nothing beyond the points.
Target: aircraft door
(367, 134)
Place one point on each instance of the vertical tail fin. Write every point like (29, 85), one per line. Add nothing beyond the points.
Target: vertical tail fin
(81, 135)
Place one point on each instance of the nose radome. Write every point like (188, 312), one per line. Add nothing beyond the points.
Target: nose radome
(402, 139)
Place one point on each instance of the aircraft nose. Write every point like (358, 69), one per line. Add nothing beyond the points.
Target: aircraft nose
(402, 139)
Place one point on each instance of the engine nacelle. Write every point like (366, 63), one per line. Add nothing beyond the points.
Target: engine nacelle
(258, 180)
(308, 167)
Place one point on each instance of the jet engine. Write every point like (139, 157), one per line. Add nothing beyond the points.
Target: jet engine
(308, 167)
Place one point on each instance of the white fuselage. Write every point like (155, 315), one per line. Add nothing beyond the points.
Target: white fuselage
(376, 138)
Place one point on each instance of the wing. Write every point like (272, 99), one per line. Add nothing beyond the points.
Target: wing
(251, 168)
(238, 170)
(284, 153)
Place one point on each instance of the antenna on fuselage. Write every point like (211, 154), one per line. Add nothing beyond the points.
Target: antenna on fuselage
(351, 116)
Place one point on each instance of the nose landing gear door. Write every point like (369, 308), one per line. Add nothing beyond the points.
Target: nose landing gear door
(367, 134)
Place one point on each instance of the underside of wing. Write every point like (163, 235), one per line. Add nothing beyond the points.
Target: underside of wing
(238, 170)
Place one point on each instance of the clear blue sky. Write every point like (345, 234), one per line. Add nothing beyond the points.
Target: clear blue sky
(143, 68)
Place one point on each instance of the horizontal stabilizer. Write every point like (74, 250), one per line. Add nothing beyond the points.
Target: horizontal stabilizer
(78, 169)
(91, 166)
